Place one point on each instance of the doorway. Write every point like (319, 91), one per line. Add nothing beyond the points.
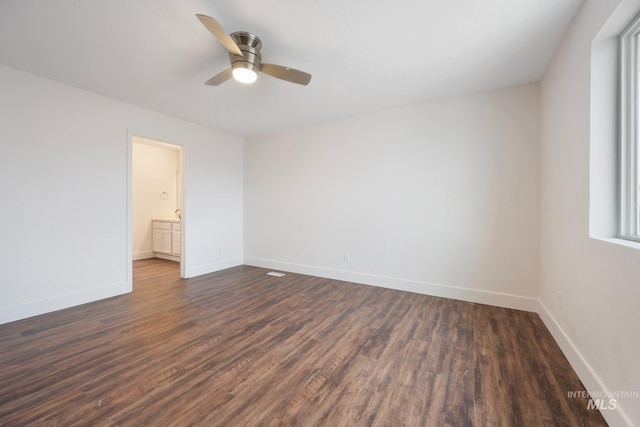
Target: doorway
(156, 195)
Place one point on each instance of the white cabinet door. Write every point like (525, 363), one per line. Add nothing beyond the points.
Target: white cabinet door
(162, 241)
(176, 243)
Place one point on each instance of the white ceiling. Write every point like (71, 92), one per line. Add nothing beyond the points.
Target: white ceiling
(364, 55)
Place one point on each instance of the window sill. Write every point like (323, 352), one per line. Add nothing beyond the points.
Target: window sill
(618, 241)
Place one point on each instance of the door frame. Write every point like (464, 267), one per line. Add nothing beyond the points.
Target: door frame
(161, 142)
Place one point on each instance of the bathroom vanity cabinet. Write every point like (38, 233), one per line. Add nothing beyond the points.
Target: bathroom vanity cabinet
(167, 238)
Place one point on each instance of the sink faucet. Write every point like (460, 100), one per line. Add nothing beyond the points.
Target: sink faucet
(178, 212)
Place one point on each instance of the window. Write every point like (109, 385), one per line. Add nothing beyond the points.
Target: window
(630, 132)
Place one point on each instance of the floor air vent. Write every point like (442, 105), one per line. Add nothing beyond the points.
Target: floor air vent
(275, 273)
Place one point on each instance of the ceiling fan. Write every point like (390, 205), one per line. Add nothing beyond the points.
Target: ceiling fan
(246, 60)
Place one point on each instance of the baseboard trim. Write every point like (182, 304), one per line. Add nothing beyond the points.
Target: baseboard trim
(199, 270)
(59, 302)
(142, 255)
(167, 257)
(586, 373)
(464, 294)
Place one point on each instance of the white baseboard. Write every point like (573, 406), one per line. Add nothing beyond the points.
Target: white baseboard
(588, 376)
(464, 294)
(198, 270)
(167, 257)
(142, 255)
(59, 302)
(47, 305)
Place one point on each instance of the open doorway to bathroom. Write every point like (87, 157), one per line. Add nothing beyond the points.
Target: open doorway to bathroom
(156, 201)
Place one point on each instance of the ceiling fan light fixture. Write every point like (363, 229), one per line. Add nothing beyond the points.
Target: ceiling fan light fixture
(244, 75)
(245, 58)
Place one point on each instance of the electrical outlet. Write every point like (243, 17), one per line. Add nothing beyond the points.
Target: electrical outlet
(346, 257)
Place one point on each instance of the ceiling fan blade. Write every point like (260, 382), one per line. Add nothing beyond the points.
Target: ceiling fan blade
(216, 29)
(220, 78)
(286, 73)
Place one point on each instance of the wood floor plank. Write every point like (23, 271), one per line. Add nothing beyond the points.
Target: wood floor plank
(241, 348)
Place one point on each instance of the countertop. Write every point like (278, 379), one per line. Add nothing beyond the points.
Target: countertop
(165, 219)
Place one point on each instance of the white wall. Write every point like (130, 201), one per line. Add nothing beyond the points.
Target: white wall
(439, 198)
(64, 169)
(154, 184)
(589, 288)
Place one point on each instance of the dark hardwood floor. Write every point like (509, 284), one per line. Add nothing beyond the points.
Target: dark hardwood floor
(241, 348)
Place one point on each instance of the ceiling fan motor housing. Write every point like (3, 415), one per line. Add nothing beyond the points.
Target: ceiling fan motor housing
(250, 45)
